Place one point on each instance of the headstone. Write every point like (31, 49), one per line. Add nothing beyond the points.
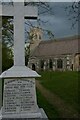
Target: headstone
(19, 96)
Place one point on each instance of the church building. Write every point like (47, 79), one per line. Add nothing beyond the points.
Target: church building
(57, 54)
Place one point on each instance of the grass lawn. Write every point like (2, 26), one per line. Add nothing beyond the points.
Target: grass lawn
(50, 111)
(64, 84)
(0, 92)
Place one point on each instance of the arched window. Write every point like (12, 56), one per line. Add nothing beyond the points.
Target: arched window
(33, 67)
(79, 60)
(50, 64)
(59, 63)
(42, 64)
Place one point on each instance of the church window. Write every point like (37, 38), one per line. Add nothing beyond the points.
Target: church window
(42, 64)
(59, 63)
(50, 63)
(79, 60)
(33, 67)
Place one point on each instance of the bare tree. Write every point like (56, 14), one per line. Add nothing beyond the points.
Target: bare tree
(7, 23)
(73, 12)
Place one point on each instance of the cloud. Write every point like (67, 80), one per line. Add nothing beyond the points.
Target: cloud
(59, 23)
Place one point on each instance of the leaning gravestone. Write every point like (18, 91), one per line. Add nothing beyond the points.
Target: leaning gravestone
(19, 96)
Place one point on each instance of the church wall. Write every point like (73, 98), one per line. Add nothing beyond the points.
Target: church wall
(69, 62)
(58, 62)
(77, 62)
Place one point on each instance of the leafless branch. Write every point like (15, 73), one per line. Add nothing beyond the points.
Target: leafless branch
(73, 13)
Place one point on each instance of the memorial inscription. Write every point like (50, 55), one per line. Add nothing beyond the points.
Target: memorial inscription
(19, 96)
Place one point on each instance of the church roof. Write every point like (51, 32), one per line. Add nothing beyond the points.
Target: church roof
(54, 47)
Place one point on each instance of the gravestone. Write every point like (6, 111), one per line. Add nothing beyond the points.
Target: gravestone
(19, 96)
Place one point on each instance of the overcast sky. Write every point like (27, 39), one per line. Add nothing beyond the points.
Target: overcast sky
(59, 23)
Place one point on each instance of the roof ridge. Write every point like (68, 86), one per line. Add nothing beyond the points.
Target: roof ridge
(61, 39)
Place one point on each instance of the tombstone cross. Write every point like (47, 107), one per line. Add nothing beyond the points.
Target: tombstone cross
(19, 11)
(19, 98)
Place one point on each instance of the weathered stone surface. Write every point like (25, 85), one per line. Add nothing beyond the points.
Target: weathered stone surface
(19, 100)
(19, 96)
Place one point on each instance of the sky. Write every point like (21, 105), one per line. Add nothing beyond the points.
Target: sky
(59, 22)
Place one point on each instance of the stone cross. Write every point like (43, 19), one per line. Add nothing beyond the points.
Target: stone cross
(19, 98)
(19, 11)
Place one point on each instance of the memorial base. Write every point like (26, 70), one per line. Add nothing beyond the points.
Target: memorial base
(19, 95)
(31, 116)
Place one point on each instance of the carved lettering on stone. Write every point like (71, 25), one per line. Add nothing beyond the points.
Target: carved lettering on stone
(19, 96)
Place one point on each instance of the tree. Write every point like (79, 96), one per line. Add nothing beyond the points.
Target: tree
(7, 43)
(7, 57)
(27, 54)
(7, 22)
(7, 30)
(73, 11)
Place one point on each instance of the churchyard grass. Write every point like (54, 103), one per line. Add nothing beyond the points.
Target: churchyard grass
(48, 108)
(0, 93)
(63, 84)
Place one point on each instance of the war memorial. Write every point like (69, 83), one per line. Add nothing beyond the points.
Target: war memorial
(19, 94)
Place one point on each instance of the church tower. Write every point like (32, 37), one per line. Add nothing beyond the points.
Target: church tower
(35, 38)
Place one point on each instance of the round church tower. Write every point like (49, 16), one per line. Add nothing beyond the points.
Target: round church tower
(35, 38)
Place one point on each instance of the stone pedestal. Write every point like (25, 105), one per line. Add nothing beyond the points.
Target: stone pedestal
(19, 97)
(40, 115)
(19, 100)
